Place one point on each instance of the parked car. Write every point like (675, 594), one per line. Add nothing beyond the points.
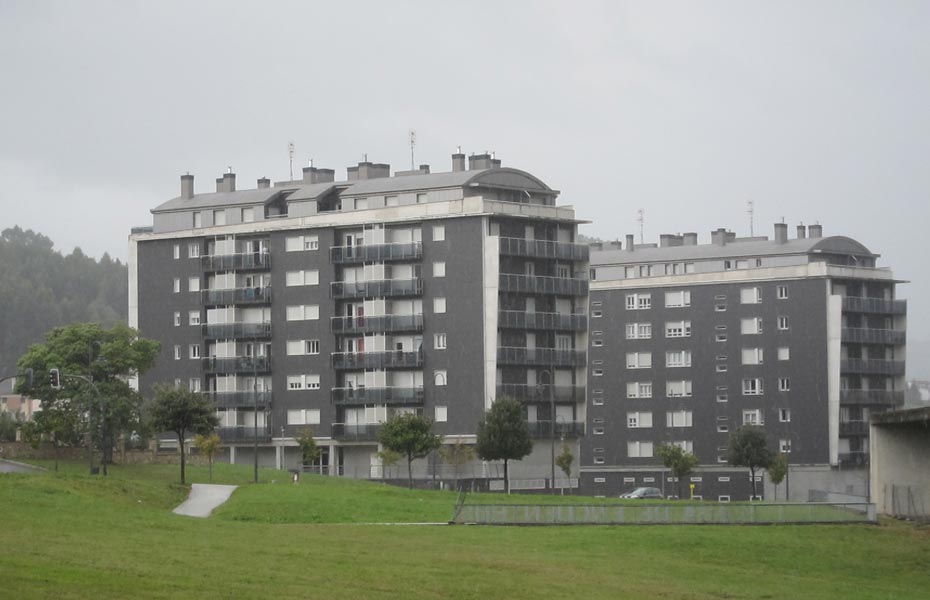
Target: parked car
(644, 493)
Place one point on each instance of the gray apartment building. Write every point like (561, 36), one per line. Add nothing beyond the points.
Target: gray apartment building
(802, 336)
(336, 304)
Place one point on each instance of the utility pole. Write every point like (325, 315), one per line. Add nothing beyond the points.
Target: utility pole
(290, 154)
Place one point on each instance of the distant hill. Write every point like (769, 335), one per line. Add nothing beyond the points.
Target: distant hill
(40, 288)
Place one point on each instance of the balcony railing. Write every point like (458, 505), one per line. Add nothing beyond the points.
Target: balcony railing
(883, 397)
(518, 319)
(543, 249)
(539, 284)
(872, 366)
(540, 357)
(236, 364)
(380, 288)
(237, 262)
(252, 295)
(363, 432)
(390, 359)
(245, 433)
(874, 305)
(854, 427)
(540, 393)
(376, 252)
(543, 429)
(854, 459)
(873, 336)
(239, 399)
(377, 324)
(371, 395)
(217, 331)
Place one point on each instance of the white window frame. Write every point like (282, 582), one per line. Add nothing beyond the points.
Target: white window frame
(439, 269)
(753, 386)
(440, 341)
(638, 360)
(677, 329)
(678, 299)
(686, 388)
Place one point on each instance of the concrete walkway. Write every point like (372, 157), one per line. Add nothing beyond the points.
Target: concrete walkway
(10, 466)
(204, 498)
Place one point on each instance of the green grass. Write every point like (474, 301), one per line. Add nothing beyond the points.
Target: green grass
(70, 536)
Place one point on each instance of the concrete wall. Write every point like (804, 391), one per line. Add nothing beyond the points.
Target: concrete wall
(900, 471)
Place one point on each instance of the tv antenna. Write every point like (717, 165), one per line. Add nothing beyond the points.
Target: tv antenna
(641, 218)
(290, 156)
(413, 142)
(751, 210)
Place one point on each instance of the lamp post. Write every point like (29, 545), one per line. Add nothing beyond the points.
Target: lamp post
(551, 431)
(255, 414)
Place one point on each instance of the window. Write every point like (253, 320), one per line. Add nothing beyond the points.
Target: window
(639, 389)
(439, 341)
(597, 343)
(596, 314)
(439, 269)
(442, 414)
(193, 317)
(686, 445)
(440, 377)
(177, 353)
(784, 446)
(753, 416)
(638, 301)
(751, 326)
(720, 307)
(783, 353)
(313, 346)
(784, 415)
(784, 384)
(198, 220)
(598, 460)
(422, 198)
(639, 449)
(193, 384)
(303, 312)
(723, 479)
(782, 292)
(674, 389)
(303, 382)
(439, 233)
(598, 401)
(301, 347)
(247, 215)
(303, 416)
(752, 295)
(638, 331)
(752, 356)
(723, 397)
(600, 480)
(723, 428)
(629, 273)
(638, 420)
(194, 351)
(678, 418)
(638, 360)
(598, 430)
(677, 299)
(439, 305)
(299, 243)
(177, 318)
(308, 277)
(721, 368)
(720, 337)
(678, 358)
(597, 372)
(752, 387)
(783, 323)
(675, 329)
(193, 250)
(219, 217)
(723, 498)
(177, 285)
(193, 284)
(177, 251)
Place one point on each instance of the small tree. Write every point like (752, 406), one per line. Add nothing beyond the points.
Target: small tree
(504, 435)
(388, 458)
(182, 412)
(564, 462)
(457, 455)
(748, 448)
(409, 434)
(678, 461)
(309, 451)
(208, 445)
(777, 471)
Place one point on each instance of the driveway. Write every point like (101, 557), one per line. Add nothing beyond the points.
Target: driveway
(204, 498)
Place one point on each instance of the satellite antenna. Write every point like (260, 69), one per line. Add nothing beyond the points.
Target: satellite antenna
(413, 142)
(290, 155)
(641, 218)
(750, 209)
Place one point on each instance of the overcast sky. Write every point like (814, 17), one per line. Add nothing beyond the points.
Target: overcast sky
(815, 111)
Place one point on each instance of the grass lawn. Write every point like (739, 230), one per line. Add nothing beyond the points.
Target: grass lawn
(71, 536)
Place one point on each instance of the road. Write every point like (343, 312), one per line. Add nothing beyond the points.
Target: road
(10, 467)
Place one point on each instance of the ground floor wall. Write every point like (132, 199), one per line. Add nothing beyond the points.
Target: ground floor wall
(900, 471)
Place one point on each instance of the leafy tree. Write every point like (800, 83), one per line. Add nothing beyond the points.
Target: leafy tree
(208, 445)
(182, 412)
(778, 470)
(504, 435)
(748, 448)
(9, 423)
(564, 461)
(457, 455)
(679, 462)
(409, 435)
(309, 451)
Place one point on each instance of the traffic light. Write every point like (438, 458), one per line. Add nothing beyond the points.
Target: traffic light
(54, 378)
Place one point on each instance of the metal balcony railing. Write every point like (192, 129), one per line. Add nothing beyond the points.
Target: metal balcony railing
(390, 359)
(854, 427)
(874, 305)
(363, 432)
(537, 394)
(540, 357)
(236, 262)
(372, 395)
(540, 284)
(245, 433)
(884, 397)
(236, 364)
(252, 295)
(376, 253)
(543, 429)
(543, 249)
(377, 324)
(858, 335)
(854, 458)
(872, 366)
(517, 319)
(239, 399)
(381, 288)
(218, 331)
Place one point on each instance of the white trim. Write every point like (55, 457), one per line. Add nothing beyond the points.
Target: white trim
(834, 329)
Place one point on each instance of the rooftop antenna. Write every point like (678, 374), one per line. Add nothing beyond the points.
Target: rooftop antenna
(458, 149)
(413, 142)
(229, 168)
(641, 218)
(750, 208)
(366, 157)
(310, 163)
(290, 155)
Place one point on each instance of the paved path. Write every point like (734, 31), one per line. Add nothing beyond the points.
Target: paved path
(8, 466)
(204, 498)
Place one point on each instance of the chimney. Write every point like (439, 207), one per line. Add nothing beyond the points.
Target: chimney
(369, 170)
(719, 237)
(781, 232)
(424, 169)
(665, 240)
(802, 232)
(629, 243)
(264, 183)
(689, 239)
(315, 175)
(477, 162)
(815, 231)
(458, 162)
(226, 183)
(495, 163)
(187, 186)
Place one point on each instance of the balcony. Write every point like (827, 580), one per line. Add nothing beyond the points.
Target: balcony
(538, 284)
(854, 459)
(372, 395)
(364, 432)
(881, 397)
(874, 305)
(543, 249)
(854, 428)
(872, 366)
(376, 253)
(237, 364)
(545, 357)
(873, 336)
(236, 262)
(252, 295)
(567, 429)
(245, 331)
(390, 359)
(239, 399)
(378, 324)
(381, 288)
(517, 319)
(245, 433)
(539, 394)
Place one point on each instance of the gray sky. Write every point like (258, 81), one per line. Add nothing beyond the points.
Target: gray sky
(816, 111)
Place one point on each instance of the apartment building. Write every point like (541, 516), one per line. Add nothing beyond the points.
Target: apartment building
(337, 304)
(804, 337)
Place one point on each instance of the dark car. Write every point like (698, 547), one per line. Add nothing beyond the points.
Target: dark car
(644, 493)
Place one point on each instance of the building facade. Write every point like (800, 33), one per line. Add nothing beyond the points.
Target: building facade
(334, 305)
(803, 337)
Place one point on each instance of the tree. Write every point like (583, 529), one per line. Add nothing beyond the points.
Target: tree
(182, 412)
(208, 445)
(748, 448)
(309, 451)
(504, 435)
(777, 471)
(457, 455)
(564, 462)
(678, 461)
(409, 434)
(388, 458)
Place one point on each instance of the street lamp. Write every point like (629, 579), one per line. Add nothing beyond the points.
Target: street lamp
(551, 430)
